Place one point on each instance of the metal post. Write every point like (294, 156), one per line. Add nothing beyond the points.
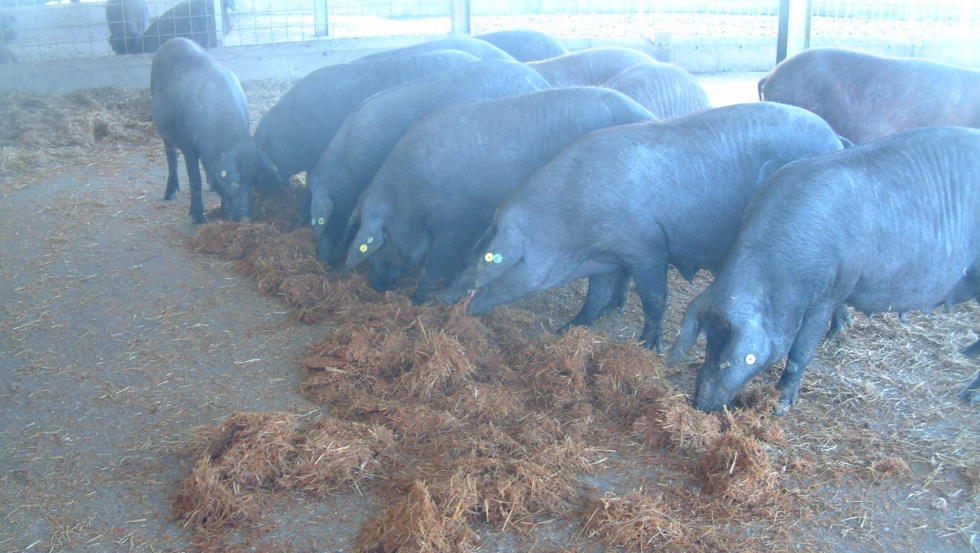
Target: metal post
(460, 17)
(794, 27)
(320, 18)
(219, 23)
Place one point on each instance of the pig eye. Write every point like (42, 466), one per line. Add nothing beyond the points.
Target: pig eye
(750, 359)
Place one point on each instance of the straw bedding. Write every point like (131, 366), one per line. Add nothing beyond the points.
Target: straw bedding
(463, 425)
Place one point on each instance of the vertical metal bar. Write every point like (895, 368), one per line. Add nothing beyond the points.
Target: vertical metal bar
(781, 33)
(794, 28)
(320, 18)
(460, 17)
(219, 23)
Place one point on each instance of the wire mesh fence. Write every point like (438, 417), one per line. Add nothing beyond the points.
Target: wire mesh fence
(82, 29)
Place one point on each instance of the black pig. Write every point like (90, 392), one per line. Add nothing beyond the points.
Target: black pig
(372, 130)
(664, 89)
(887, 226)
(864, 96)
(589, 67)
(630, 200)
(299, 127)
(127, 19)
(199, 107)
(193, 19)
(479, 48)
(438, 189)
(524, 44)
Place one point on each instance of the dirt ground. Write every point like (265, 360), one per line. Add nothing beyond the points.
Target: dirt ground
(117, 340)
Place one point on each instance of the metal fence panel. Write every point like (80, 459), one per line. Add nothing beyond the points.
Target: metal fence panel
(79, 30)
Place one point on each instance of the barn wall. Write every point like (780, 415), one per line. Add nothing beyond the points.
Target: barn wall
(291, 61)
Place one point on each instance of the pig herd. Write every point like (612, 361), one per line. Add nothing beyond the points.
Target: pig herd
(501, 166)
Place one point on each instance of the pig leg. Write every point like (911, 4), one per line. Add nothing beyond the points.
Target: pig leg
(651, 286)
(194, 176)
(441, 264)
(461, 286)
(972, 350)
(173, 183)
(841, 321)
(972, 392)
(811, 331)
(425, 288)
(607, 295)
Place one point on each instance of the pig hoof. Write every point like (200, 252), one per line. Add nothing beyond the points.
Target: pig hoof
(452, 297)
(447, 298)
(841, 321)
(972, 350)
(971, 396)
(199, 218)
(656, 344)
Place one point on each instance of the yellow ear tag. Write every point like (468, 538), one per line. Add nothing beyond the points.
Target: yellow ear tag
(321, 220)
(363, 248)
(489, 257)
(750, 359)
(224, 174)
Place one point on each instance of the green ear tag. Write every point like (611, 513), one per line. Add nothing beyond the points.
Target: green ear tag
(497, 258)
(313, 222)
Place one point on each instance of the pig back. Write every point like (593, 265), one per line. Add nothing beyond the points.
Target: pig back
(887, 226)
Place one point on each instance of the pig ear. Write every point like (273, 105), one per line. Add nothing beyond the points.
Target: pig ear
(690, 329)
(504, 250)
(368, 238)
(767, 169)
